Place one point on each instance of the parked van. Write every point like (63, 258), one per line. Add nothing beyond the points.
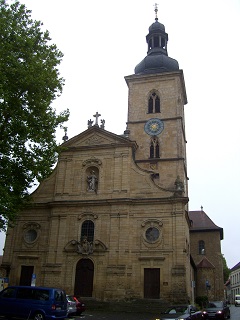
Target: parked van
(38, 303)
(237, 300)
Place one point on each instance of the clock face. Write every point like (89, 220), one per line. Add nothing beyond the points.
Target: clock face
(154, 126)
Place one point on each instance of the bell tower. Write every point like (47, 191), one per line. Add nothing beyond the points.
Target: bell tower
(156, 102)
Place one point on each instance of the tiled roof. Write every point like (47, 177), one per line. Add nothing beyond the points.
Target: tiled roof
(200, 221)
(205, 263)
(237, 266)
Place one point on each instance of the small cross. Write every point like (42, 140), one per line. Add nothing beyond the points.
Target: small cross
(156, 11)
(97, 115)
(65, 137)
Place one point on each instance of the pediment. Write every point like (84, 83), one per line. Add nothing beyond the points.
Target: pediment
(96, 136)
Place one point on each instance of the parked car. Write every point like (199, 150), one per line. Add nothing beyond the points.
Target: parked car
(178, 312)
(29, 302)
(237, 300)
(80, 306)
(71, 305)
(217, 310)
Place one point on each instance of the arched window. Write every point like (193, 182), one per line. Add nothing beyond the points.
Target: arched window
(151, 150)
(201, 247)
(157, 150)
(156, 41)
(157, 104)
(87, 230)
(154, 148)
(150, 105)
(154, 103)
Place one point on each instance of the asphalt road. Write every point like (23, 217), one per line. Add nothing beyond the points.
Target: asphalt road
(101, 315)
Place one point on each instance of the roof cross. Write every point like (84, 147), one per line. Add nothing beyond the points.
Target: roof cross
(97, 115)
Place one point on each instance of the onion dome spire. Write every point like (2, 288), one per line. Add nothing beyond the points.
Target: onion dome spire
(157, 60)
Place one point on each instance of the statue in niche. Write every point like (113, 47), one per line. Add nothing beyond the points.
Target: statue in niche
(179, 186)
(92, 181)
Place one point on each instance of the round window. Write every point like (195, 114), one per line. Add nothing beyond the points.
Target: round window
(152, 234)
(30, 236)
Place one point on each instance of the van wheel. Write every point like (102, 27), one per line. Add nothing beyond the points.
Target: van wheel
(38, 316)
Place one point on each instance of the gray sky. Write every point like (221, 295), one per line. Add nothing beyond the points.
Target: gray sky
(103, 41)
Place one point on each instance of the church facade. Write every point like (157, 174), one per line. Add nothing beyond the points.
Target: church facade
(112, 221)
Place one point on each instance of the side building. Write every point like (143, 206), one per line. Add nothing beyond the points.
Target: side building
(234, 282)
(205, 239)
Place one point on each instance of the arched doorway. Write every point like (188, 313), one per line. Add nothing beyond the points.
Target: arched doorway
(84, 278)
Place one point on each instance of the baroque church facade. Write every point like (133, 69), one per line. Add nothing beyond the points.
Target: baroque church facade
(112, 220)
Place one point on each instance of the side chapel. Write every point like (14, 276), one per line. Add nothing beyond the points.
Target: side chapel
(112, 221)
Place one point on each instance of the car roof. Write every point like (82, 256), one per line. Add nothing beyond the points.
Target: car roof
(34, 287)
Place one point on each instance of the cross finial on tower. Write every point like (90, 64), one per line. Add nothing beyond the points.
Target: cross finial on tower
(156, 11)
(65, 137)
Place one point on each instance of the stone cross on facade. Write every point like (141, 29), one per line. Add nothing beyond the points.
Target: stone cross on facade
(97, 115)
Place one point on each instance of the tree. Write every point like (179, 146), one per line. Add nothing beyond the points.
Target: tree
(29, 82)
(226, 270)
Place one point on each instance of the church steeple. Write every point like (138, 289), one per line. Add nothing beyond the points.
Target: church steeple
(157, 60)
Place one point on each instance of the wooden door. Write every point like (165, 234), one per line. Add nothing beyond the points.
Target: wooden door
(152, 283)
(84, 278)
(26, 275)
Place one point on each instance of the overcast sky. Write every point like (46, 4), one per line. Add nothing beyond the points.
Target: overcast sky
(103, 41)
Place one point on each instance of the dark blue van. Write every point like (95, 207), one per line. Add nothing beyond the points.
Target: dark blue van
(38, 303)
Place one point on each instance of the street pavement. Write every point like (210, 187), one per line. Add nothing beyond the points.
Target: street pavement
(110, 315)
(107, 315)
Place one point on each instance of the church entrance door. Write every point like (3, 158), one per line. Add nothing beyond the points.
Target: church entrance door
(26, 275)
(152, 283)
(84, 278)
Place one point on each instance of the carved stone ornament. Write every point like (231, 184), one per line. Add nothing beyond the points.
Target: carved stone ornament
(88, 216)
(31, 225)
(92, 162)
(151, 223)
(94, 140)
(85, 247)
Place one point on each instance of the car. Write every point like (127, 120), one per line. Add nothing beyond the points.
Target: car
(237, 300)
(179, 312)
(71, 305)
(217, 310)
(30, 302)
(80, 306)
